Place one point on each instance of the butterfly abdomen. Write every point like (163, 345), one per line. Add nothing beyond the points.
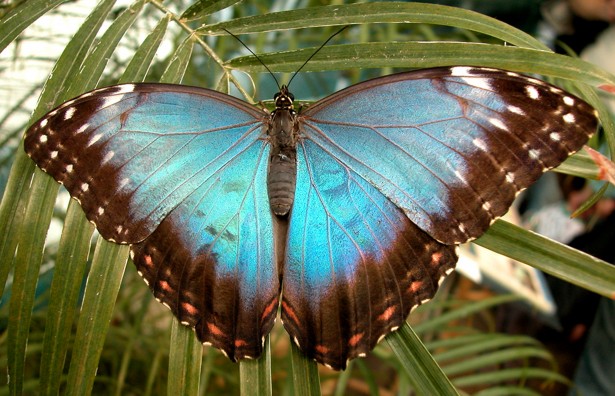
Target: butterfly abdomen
(281, 180)
(282, 172)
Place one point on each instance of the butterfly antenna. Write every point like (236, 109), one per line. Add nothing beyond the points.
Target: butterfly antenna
(315, 52)
(259, 59)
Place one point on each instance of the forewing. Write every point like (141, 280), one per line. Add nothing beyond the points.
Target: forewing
(451, 147)
(131, 153)
(355, 264)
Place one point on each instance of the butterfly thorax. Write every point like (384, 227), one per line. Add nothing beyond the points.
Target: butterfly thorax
(282, 172)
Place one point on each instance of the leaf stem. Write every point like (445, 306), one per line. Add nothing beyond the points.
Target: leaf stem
(226, 70)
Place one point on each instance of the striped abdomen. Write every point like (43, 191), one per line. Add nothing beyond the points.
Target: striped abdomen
(282, 172)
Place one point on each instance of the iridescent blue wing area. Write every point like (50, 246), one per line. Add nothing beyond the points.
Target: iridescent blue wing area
(396, 171)
(180, 173)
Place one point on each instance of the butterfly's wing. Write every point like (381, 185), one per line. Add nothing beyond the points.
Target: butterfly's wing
(178, 172)
(449, 148)
(355, 263)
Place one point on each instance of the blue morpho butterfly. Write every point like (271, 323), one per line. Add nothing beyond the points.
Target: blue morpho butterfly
(347, 214)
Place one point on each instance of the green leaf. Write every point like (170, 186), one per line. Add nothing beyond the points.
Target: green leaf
(461, 346)
(511, 374)
(477, 363)
(131, 345)
(176, 68)
(33, 231)
(380, 12)
(507, 391)
(581, 165)
(421, 55)
(306, 381)
(185, 360)
(96, 61)
(12, 209)
(203, 8)
(68, 278)
(54, 91)
(22, 16)
(142, 59)
(341, 388)
(153, 371)
(591, 201)
(255, 375)
(462, 312)
(426, 376)
(102, 287)
(551, 257)
(604, 114)
(38, 204)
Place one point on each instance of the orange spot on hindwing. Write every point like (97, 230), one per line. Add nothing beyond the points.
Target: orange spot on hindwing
(415, 287)
(215, 330)
(190, 309)
(290, 313)
(147, 259)
(387, 314)
(355, 339)
(272, 305)
(164, 285)
(322, 349)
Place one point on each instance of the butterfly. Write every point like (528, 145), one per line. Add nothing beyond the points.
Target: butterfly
(344, 216)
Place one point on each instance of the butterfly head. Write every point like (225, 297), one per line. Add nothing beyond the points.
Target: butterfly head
(284, 99)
